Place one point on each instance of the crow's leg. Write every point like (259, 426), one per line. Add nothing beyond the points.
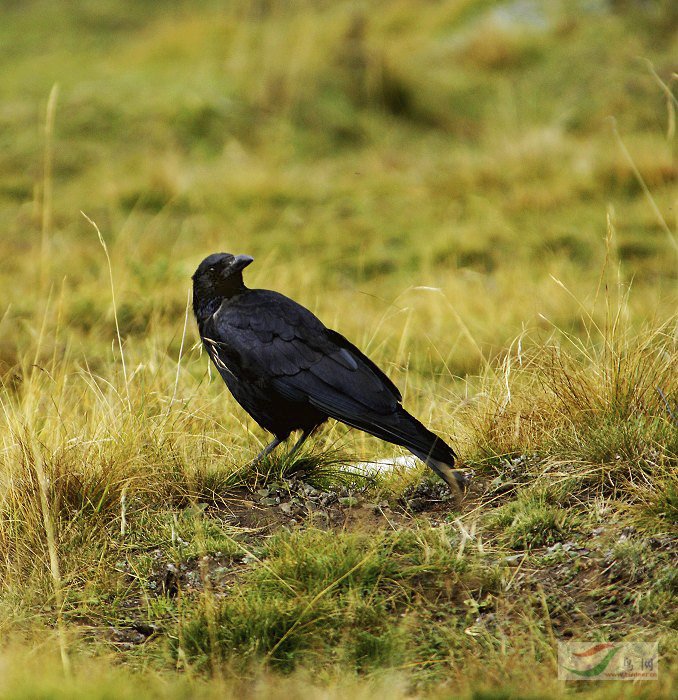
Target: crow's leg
(304, 435)
(266, 451)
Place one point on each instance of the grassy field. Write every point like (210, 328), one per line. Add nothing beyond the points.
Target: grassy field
(482, 196)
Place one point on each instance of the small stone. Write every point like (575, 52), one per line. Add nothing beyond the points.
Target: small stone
(126, 636)
(145, 628)
(417, 505)
(513, 558)
(335, 516)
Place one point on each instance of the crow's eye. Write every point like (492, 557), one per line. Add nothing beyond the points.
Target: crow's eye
(210, 269)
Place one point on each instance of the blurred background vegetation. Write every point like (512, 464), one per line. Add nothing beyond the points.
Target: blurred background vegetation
(356, 149)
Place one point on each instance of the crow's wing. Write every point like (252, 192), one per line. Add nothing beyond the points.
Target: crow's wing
(264, 336)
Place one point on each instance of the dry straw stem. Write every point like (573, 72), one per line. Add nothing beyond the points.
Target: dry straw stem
(35, 457)
(671, 101)
(47, 182)
(643, 185)
(181, 351)
(115, 308)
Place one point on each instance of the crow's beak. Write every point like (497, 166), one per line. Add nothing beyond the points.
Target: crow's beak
(240, 262)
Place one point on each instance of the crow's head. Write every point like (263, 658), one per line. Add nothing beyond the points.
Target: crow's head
(218, 267)
(218, 276)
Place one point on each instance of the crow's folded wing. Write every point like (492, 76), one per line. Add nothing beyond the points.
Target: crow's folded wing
(285, 346)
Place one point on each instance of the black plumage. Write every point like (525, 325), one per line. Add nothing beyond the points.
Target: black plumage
(290, 372)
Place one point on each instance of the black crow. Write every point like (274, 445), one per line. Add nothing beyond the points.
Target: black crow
(290, 372)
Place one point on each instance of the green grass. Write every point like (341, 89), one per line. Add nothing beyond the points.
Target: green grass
(480, 195)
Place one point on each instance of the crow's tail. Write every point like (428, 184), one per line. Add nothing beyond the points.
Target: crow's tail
(402, 428)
